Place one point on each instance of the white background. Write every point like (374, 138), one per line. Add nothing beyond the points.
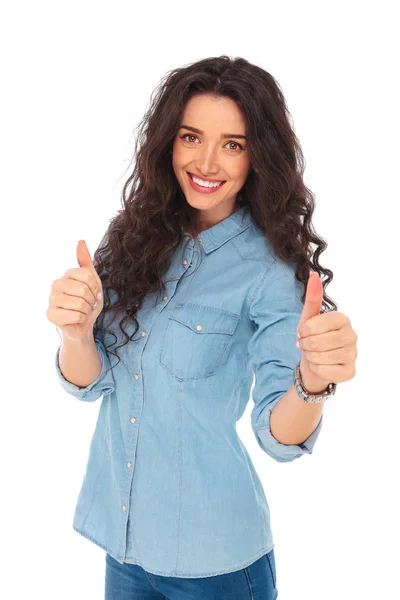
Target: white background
(76, 79)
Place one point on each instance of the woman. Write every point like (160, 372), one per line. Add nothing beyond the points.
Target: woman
(208, 269)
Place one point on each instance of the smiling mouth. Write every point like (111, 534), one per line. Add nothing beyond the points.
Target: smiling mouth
(191, 175)
(219, 181)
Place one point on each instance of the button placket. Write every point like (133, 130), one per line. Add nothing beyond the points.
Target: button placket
(133, 420)
(129, 464)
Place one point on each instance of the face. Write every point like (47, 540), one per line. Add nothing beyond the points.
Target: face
(211, 145)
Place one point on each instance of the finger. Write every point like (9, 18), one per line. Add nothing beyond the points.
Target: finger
(333, 373)
(75, 283)
(324, 322)
(326, 341)
(63, 316)
(339, 356)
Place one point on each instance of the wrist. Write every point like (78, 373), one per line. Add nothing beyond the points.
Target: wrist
(87, 339)
(313, 385)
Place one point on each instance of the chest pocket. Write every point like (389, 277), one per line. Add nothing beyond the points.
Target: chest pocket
(196, 340)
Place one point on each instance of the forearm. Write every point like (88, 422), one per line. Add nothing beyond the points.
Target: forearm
(293, 420)
(80, 362)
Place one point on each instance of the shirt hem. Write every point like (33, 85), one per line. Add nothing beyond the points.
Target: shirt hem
(120, 559)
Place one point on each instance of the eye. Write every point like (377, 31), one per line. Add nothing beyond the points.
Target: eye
(187, 135)
(237, 144)
(195, 136)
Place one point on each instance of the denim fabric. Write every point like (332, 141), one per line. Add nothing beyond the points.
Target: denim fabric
(255, 582)
(169, 485)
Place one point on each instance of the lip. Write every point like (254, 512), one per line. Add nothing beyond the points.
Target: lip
(203, 190)
(205, 178)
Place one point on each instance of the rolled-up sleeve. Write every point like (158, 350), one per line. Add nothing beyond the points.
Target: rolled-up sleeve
(275, 309)
(104, 384)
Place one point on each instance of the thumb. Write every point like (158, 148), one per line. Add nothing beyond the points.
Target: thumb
(83, 255)
(85, 260)
(313, 299)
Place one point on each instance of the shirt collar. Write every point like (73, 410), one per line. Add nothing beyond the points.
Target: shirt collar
(213, 237)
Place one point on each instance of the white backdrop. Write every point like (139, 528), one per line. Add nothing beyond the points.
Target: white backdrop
(76, 79)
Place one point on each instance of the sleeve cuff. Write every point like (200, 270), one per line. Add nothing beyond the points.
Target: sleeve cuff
(277, 450)
(104, 384)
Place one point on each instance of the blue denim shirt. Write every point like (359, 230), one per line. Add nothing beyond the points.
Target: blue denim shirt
(169, 484)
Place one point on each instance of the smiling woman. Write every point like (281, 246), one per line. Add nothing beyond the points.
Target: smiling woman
(171, 493)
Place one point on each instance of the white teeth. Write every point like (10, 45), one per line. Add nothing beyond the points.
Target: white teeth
(205, 183)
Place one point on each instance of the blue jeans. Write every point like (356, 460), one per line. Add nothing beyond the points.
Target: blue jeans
(132, 582)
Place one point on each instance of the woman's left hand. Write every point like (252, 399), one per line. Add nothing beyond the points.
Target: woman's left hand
(328, 342)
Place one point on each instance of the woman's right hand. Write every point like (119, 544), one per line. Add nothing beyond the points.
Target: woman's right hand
(72, 298)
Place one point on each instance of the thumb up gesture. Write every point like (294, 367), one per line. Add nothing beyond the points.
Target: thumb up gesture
(327, 341)
(74, 301)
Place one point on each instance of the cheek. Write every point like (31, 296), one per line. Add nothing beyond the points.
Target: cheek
(241, 171)
(178, 158)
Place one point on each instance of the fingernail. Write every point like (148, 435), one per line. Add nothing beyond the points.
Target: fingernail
(298, 335)
(298, 345)
(99, 294)
(94, 305)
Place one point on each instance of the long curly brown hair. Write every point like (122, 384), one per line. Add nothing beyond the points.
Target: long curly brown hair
(141, 239)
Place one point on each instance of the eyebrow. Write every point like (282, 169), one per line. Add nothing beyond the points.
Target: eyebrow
(223, 135)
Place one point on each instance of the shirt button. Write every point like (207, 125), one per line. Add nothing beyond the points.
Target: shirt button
(184, 262)
(143, 333)
(133, 420)
(165, 298)
(136, 376)
(129, 465)
(124, 508)
(199, 327)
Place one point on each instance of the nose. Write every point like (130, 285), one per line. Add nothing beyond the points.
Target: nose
(206, 163)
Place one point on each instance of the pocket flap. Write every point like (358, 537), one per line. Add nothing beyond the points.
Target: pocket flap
(205, 319)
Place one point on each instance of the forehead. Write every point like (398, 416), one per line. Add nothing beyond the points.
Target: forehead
(210, 113)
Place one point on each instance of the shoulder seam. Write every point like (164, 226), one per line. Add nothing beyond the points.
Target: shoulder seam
(263, 276)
